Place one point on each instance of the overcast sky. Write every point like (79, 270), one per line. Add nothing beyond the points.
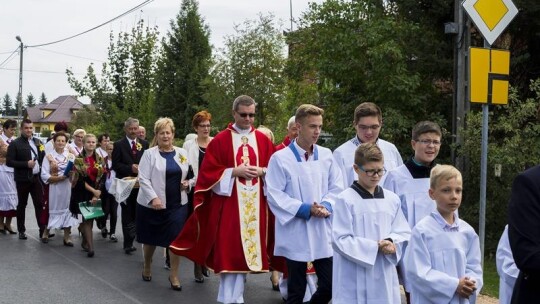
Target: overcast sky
(39, 21)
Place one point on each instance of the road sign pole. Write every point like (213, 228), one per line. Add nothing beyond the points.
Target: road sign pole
(483, 179)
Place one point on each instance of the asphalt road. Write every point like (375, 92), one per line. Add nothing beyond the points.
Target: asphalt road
(32, 272)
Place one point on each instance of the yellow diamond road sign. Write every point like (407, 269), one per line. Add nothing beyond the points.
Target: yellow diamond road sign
(491, 17)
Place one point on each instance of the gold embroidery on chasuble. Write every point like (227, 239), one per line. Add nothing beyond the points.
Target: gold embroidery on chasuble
(245, 149)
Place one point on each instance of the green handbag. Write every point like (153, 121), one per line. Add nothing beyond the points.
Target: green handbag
(90, 211)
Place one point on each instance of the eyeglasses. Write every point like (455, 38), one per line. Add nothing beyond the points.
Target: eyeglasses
(372, 127)
(244, 115)
(205, 126)
(78, 136)
(427, 142)
(372, 172)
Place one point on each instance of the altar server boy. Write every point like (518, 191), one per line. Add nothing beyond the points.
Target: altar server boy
(442, 260)
(368, 234)
(302, 183)
(506, 268)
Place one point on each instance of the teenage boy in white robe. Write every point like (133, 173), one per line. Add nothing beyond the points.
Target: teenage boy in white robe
(442, 260)
(410, 181)
(506, 268)
(368, 235)
(302, 183)
(367, 123)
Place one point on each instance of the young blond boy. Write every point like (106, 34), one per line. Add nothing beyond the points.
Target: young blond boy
(442, 260)
(368, 234)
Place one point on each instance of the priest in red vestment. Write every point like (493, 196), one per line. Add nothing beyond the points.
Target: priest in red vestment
(229, 228)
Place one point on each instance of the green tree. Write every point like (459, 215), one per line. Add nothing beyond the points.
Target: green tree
(30, 100)
(183, 68)
(252, 63)
(7, 105)
(513, 141)
(43, 98)
(357, 51)
(127, 85)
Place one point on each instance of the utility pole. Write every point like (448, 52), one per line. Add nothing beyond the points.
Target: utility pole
(19, 97)
(461, 106)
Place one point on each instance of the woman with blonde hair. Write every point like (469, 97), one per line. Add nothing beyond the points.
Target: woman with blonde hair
(162, 200)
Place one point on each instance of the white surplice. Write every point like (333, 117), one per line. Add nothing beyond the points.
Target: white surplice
(362, 274)
(436, 259)
(292, 182)
(413, 193)
(507, 269)
(59, 193)
(415, 201)
(344, 156)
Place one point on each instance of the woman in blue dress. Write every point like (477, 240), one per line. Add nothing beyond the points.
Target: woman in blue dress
(162, 200)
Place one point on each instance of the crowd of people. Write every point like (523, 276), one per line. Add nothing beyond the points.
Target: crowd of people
(348, 226)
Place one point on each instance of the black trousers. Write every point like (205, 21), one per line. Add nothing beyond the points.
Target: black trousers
(296, 283)
(35, 190)
(128, 218)
(110, 208)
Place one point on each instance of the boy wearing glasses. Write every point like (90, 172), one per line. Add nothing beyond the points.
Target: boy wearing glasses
(368, 235)
(367, 123)
(443, 256)
(302, 183)
(410, 181)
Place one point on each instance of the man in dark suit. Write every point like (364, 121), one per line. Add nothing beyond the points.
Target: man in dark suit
(524, 234)
(126, 155)
(25, 154)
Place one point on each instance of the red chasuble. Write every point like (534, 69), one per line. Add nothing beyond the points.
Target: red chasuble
(215, 234)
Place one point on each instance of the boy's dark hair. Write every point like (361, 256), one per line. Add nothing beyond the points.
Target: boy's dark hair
(367, 109)
(425, 127)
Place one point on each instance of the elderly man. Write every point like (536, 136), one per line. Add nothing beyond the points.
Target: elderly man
(292, 133)
(142, 133)
(230, 206)
(127, 153)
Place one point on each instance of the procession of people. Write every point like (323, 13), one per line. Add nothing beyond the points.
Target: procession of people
(348, 226)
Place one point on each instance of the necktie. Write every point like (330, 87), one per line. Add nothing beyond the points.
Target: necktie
(133, 148)
(306, 155)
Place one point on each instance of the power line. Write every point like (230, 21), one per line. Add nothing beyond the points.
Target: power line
(95, 27)
(46, 72)
(69, 55)
(9, 57)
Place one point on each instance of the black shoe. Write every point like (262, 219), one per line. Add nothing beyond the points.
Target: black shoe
(104, 233)
(113, 238)
(51, 235)
(3, 231)
(68, 243)
(45, 240)
(175, 287)
(22, 236)
(129, 250)
(90, 253)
